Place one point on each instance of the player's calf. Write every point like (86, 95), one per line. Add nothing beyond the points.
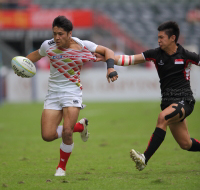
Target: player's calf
(80, 127)
(67, 135)
(161, 122)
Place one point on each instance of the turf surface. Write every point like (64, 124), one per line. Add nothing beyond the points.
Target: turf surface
(27, 162)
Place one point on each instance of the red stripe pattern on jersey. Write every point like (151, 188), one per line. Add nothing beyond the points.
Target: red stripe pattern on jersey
(69, 61)
(187, 69)
(192, 62)
(154, 61)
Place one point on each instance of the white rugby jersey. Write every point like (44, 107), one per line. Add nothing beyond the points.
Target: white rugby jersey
(66, 64)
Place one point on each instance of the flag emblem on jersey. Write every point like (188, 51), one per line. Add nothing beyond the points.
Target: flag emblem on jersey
(179, 61)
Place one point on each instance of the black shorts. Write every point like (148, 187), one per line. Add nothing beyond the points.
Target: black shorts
(188, 105)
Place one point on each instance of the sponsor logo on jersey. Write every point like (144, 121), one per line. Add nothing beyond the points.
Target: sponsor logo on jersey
(51, 42)
(160, 63)
(182, 102)
(179, 61)
(75, 101)
(57, 57)
(67, 56)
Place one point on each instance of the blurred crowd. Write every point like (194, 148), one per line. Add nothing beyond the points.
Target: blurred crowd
(14, 4)
(135, 22)
(194, 15)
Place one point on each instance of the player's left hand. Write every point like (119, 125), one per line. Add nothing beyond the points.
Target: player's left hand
(99, 57)
(111, 75)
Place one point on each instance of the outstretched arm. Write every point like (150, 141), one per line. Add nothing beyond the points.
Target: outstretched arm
(106, 52)
(109, 59)
(34, 56)
(124, 60)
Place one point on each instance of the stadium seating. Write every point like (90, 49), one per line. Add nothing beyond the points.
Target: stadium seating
(140, 18)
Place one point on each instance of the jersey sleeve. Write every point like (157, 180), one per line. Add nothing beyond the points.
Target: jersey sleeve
(193, 58)
(91, 46)
(43, 48)
(150, 55)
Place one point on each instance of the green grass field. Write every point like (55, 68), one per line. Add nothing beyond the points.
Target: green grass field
(27, 162)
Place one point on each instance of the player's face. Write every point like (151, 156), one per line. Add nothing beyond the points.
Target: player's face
(164, 41)
(61, 37)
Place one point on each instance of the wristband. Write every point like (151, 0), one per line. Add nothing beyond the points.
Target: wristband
(110, 63)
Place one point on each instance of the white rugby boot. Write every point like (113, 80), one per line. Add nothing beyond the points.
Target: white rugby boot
(139, 159)
(60, 172)
(84, 134)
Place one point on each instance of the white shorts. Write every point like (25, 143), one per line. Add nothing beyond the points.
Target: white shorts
(59, 100)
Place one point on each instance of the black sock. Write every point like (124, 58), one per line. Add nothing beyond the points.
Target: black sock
(155, 141)
(195, 145)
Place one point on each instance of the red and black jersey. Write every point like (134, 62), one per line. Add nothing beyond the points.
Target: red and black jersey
(173, 71)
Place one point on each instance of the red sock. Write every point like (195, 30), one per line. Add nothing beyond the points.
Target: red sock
(64, 156)
(78, 127)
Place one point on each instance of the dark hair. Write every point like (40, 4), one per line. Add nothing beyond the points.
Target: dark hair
(170, 28)
(63, 22)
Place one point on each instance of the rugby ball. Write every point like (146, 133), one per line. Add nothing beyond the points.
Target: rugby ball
(23, 67)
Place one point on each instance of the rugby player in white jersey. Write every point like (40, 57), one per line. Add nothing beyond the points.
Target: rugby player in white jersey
(67, 55)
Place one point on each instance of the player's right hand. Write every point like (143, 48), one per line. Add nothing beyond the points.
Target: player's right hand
(112, 75)
(99, 57)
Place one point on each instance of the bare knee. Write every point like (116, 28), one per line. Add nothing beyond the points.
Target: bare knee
(49, 137)
(185, 145)
(162, 123)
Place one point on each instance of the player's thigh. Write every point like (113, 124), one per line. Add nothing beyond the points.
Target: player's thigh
(172, 114)
(70, 117)
(180, 133)
(50, 121)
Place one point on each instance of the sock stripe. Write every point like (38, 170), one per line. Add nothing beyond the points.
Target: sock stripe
(149, 141)
(197, 141)
(66, 148)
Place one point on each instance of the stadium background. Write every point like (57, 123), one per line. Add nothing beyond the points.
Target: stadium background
(127, 27)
